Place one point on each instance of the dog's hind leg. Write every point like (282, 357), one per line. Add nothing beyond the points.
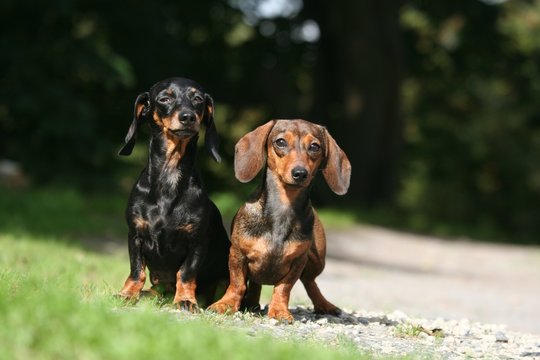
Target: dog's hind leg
(250, 302)
(320, 304)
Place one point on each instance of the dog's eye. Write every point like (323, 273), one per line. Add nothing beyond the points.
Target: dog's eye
(164, 100)
(198, 99)
(281, 143)
(314, 147)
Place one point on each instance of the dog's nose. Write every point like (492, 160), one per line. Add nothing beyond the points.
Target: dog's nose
(187, 118)
(299, 174)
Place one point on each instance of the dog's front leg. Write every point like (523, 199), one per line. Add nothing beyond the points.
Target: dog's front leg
(137, 276)
(186, 281)
(237, 287)
(279, 305)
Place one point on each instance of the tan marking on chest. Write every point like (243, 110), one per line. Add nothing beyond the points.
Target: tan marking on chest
(140, 224)
(254, 248)
(188, 228)
(295, 249)
(268, 263)
(176, 149)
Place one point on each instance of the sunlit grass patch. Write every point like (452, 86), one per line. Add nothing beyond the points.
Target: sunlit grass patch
(57, 296)
(57, 302)
(336, 218)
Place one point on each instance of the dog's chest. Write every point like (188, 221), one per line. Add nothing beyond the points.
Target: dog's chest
(271, 253)
(170, 228)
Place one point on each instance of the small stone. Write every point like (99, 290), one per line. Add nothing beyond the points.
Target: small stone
(501, 337)
(322, 321)
(530, 354)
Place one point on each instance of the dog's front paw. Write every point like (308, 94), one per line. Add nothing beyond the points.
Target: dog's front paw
(282, 315)
(222, 307)
(129, 294)
(132, 288)
(187, 305)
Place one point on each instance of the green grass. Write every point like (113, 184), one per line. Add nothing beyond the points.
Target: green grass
(61, 213)
(408, 330)
(337, 219)
(56, 295)
(56, 303)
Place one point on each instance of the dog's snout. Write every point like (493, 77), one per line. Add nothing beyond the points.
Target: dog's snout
(299, 174)
(187, 118)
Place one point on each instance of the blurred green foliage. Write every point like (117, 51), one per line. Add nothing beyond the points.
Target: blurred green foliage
(61, 213)
(472, 123)
(70, 71)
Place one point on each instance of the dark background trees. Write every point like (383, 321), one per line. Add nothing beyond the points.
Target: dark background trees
(357, 85)
(434, 102)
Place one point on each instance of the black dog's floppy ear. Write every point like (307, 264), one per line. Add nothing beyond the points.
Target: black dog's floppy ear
(142, 106)
(250, 152)
(337, 171)
(211, 138)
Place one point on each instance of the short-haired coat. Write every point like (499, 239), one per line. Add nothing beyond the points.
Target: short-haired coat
(175, 230)
(277, 237)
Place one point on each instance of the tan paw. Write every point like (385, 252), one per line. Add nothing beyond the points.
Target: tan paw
(222, 307)
(282, 315)
(187, 305)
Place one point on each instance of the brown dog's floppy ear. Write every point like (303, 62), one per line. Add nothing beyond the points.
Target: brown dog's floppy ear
(142, 105)
(337, 171)
(211, 138)
(250, 152)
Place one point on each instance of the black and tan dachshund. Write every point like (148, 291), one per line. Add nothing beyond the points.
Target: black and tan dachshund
(175, 230)
(276, 236)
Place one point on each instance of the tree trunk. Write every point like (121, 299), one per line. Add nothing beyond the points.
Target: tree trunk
(357, 90)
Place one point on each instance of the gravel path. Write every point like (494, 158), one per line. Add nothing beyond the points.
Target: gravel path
(381, 270)
(417, 295)
(393, 334)
(462, 299)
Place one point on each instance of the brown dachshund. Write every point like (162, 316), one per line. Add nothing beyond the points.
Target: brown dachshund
(277, 237)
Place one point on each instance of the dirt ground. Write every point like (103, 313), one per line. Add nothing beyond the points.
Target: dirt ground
(376, 269)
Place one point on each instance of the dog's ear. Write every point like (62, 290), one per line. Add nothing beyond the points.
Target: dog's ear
(211, 138)
(250, 152)
(337, 170)
(142, 106)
